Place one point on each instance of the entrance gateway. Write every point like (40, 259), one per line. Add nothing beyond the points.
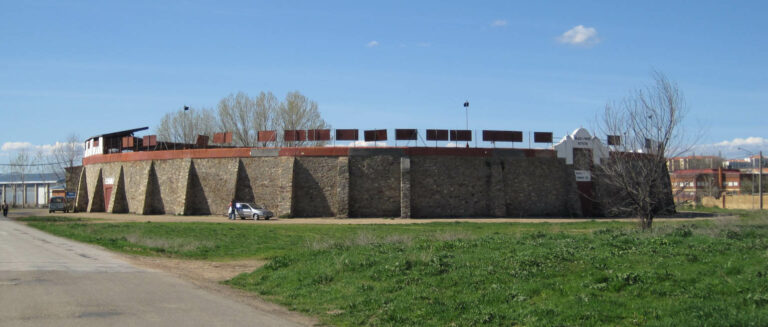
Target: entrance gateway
(583, 151)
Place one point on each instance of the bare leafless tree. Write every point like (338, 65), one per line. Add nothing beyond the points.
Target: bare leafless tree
(267, 107)
(236, 115)
(66, 155)
(649, 124)
(298, 112)
(245, 116)
(183, 126)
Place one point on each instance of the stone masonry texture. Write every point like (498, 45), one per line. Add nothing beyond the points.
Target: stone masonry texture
(374, 186)
(314, 186)
(364, 182)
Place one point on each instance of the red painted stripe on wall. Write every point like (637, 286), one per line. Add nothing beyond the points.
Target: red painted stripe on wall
(296, 152)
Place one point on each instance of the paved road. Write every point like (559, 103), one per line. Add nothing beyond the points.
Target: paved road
(50, 281)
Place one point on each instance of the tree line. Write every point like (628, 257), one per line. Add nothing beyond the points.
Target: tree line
(244, 116)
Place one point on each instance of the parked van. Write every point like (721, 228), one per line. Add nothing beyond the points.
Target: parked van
(58, 203)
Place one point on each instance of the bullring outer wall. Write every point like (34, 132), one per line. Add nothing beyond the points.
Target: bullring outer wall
(333, 182)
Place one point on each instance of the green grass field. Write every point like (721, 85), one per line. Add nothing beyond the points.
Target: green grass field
(708, 273)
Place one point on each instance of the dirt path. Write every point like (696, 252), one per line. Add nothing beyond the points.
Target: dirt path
(51, 281)
(110, 218)
(208, 275)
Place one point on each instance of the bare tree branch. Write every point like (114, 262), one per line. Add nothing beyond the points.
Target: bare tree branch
(649, 124)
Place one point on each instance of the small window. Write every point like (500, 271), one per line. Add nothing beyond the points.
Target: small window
(95, 142)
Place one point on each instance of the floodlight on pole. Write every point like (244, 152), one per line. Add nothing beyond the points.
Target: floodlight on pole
(466, 112)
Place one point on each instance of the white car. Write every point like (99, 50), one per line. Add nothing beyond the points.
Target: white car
(246, 210)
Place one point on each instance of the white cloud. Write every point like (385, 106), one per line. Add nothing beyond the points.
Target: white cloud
(580, 35)
(45, 148)
(423, 44)
(749, 141)
(15, 146)
(364, 143)
(735, 148)
(499, 23)
(372, 44)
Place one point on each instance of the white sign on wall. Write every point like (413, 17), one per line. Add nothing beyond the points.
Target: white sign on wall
(583, 175)
(109, 180)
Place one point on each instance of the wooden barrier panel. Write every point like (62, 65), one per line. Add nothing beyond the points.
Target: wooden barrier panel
(542, 137)
(502, 136)
(461, 135)
(375, 135)
(347, 135)
(267, 136)
(437, 135)
(319, 134)
(406, 135)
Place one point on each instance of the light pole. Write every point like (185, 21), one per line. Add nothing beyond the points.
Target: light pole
(466, 113)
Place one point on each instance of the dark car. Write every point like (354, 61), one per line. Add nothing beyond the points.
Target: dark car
(58, 203)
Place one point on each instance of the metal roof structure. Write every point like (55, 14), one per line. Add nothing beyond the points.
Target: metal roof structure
(120, 133)
(31, 178)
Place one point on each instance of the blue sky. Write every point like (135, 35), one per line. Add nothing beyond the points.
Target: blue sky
(92, 67)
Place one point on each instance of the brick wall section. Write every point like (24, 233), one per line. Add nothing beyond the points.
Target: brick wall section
(405, 187)
(119, 200)
(136, 175)
(268, 181)
(81, 198)
(342, 188)
(152, 203)
(450, 186)
(539, 187)
(497, 194)
(95, 188)
(217, 178)
(110, 171)
(285, 205)
(390, 182)
(374, 186)
(314, 186)
(172, 176)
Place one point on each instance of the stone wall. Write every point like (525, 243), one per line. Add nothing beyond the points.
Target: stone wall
(746, 202)
(450, 186)
(172, 179)
(315, 186)
(217, 181)
(135, 175)
(266, 181)
(539, 187)
(361, 183)
(374, 186)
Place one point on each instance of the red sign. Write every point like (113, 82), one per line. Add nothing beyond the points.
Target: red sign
(319, 134)
(375, 135)
(542, 137)
(347, 135)
(150, 140)
(406, 134)
(267, 136)
(461, 135)
(502, 136)
(437, 135)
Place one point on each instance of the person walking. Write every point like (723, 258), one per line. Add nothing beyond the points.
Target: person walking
(231, 210)
(5, 209)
